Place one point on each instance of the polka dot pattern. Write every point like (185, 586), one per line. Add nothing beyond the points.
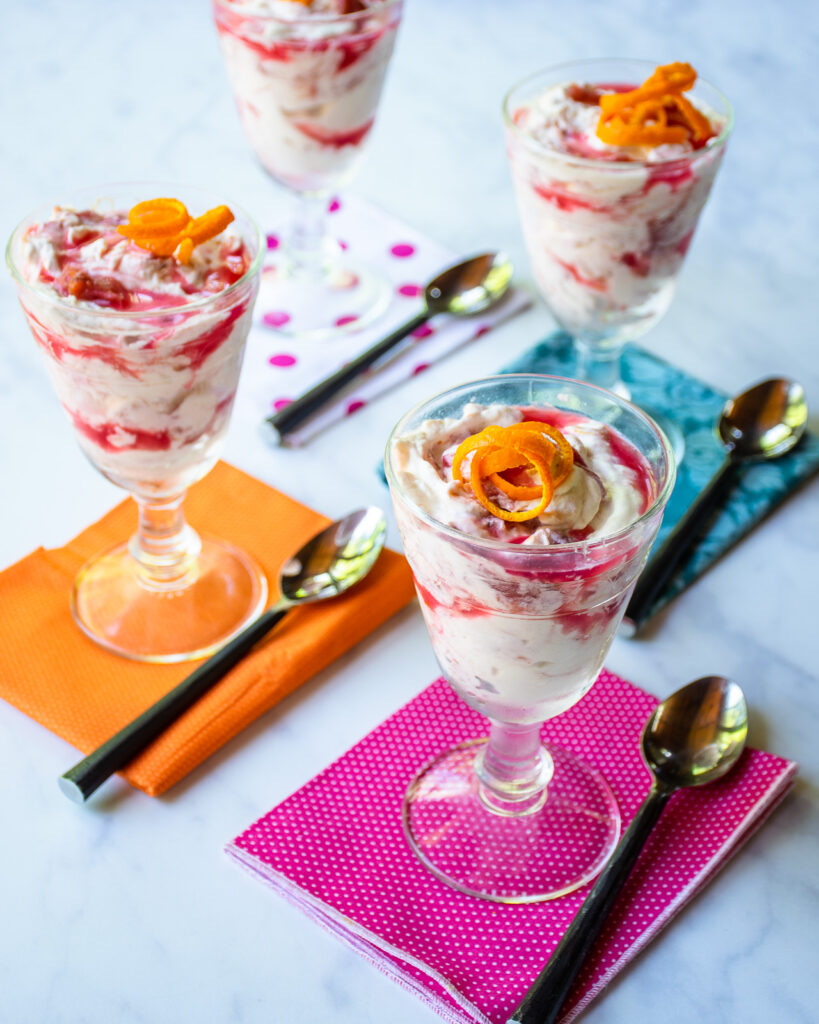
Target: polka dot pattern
(276, 318)
(337, 848)
(283, 359)
(398, 254)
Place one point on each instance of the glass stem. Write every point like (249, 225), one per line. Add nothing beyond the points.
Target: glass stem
(514, 769)
(164, 546)
(600, 363)
(309, 247)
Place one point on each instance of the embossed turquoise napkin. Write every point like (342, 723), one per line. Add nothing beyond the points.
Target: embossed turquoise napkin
(694, 407)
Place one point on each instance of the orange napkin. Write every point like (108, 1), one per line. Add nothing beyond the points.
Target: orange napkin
(52, 672)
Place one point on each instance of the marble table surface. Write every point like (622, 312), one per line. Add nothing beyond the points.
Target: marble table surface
(127, 910)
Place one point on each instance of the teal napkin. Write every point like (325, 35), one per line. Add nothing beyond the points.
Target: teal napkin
(694, 407)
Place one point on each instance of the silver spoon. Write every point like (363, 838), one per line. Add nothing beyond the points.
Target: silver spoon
(694, 737)
(465, 288)
(332, 562)
(764, 422)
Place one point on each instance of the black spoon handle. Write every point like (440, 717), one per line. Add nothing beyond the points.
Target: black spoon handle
(668, 556)
(79, 782)
(542, 1003)
(297, 411)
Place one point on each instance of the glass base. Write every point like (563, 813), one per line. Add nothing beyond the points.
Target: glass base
(116, 606)
(557, 847)
(598, 366)
(343, 297)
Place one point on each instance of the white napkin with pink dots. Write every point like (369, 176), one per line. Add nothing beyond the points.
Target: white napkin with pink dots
(278, 369)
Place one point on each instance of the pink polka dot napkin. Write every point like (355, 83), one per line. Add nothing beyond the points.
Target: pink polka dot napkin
(278, 370)
(336, 849)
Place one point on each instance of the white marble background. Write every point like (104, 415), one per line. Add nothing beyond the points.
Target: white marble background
(127, 910)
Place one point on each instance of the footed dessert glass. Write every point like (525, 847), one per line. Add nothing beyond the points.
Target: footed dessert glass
(307, 79)
(520, 633)
(607, 235)
(149, 393)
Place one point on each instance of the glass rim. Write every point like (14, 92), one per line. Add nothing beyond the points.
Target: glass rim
(322, 17)
(200, 302)
(489, 543)
(611, 166)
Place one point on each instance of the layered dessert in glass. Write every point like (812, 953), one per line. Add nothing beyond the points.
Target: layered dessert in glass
(307, 77)
(526, 506)
(142, 308)
(611, 176)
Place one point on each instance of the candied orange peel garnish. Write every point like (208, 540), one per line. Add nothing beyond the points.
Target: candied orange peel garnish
(655, 113)
(155, 218)
(537, 448)
(165, 228)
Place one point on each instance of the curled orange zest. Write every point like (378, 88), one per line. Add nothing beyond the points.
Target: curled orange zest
(540, 465)
(564, 453)
(699, 123)
(165, 228)
(184, 250)
(640, 117)
(533, 446)
(209, 224)
(668, 78)
(155, 218)
(614, 131)
(158, 246)
(468, 445)
(499, 461)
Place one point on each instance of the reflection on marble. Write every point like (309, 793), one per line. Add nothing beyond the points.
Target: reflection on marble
(127, 910)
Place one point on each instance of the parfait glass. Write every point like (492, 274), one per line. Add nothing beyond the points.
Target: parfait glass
(607, 238)
(149, 393)
(307, 81)
(520, 632)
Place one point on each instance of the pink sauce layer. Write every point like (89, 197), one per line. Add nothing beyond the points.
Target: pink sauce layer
(334, 140)
(104, 434)
(351, 47)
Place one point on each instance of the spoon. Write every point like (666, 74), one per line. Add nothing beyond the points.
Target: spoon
(764, 422)
(694, 737)
(465, 288)
(333, 561)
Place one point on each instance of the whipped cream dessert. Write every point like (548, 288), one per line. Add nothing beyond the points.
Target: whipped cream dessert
(307, 77)
(144, 350)
(520, 625)
(607, 225)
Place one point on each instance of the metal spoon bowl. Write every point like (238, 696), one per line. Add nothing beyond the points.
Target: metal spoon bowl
(327, 565)
(694, 737)
(763, 422)
(334, 560)
(469, 287)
